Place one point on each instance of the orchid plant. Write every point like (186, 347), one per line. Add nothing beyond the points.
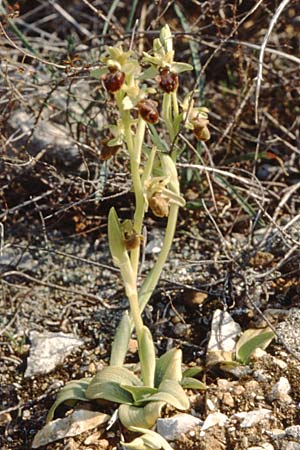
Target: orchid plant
(155, 185)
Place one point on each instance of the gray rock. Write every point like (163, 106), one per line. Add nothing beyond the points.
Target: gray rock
(173, 427)
(251, 418)
(280, 391)
(290, 446)
(73, 425)
(48, 350)
(293, 432)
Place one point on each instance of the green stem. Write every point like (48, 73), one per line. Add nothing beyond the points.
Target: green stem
(167, 114)
(152, 279)
(135, 160)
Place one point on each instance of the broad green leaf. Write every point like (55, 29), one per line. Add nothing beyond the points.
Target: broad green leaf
(192, 383)
(192, 371)
(252, 339)
(171, 392)
(119, 375)
(138, 416)
(110, 391)
(147, 357)
(121, 340)
(70, 394)
(140, 394)
(151, 439)
(168, 366)
(106, 384)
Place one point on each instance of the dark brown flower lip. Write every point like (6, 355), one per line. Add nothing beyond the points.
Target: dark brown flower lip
(168, 81)
(148, 110)
(113, 80)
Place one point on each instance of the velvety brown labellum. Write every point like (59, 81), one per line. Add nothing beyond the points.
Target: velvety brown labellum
(159, 205)
(107, 151)
(168, 81)
(113, 80)
(148, 110)
(131, 240)
(201, 133)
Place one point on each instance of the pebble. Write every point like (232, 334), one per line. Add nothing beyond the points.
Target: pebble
(252, 417)
(291, 446)
(49, 350)
(280, 391)
(228, 400)
(293, 432)
(173, 427)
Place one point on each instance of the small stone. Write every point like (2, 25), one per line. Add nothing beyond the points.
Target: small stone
(103, 444)
(252, 417)
(172, 428)
(213, 419)
(210, 405)
(281, 390)
(92, 438)
(258, 353)
(132, 346)
(228, 400)
(291, 446)
(72, 425)
(182, 329)
(48, 350)
(281, 364)
(26, 414)
(293, 432)
(276, 433)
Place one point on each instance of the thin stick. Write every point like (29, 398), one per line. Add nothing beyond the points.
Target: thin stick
(259, 77)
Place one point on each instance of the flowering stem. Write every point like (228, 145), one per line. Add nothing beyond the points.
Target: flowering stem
(152, 279)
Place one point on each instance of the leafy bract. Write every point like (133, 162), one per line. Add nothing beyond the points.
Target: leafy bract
(147, 357)
(252, 339)
(121, 340)
(70, 394)
(168, 366)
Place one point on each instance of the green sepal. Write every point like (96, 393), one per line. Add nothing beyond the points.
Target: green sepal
(135, 416)
(147, 357)
(179, 67)
(71, 393)
(250, 340)
(192, 383)
(121, 340)
(97, 73)
(168, 366)
(171, 392)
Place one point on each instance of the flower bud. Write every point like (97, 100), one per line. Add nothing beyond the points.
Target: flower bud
(148, 110)
(113, 80)
(159, 205)
(168, 81)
